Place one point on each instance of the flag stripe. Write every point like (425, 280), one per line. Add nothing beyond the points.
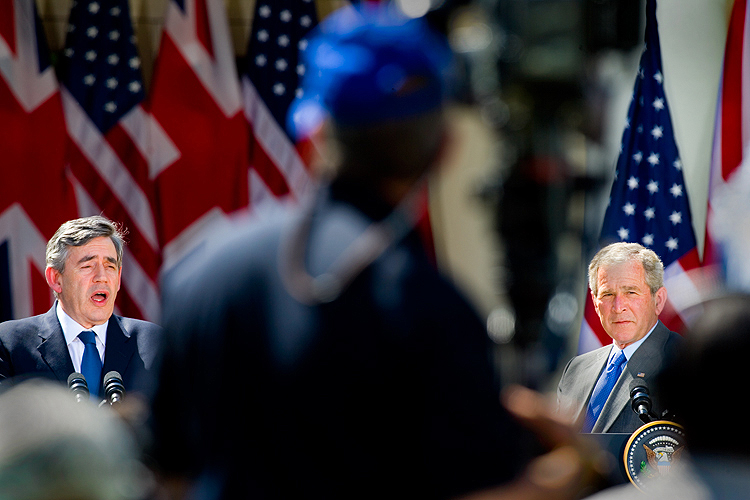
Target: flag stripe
(275, 145)
(101, 157)
(7, 25)
(132, 159)
(731, 108)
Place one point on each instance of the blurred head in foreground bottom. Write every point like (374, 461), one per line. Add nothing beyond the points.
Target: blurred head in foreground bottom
(54, 448)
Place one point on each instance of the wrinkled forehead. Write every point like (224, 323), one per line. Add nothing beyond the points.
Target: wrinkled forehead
(99, 247)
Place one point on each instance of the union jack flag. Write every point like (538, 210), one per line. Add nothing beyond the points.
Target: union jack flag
(201, 172)
(731, 137)
(35, 194)
(648, 203)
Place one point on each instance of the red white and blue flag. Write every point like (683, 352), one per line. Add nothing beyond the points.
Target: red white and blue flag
(109, 149)
(35, 194)
(731, 136)
(273, 70)
(648, 203)
(195, 99)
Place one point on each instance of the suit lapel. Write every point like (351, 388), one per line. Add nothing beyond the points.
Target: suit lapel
(591, 373)
(53, 349)
(119, 349)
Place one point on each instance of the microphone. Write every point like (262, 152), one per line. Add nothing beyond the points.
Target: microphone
(641, 400)
(78, 386)
(114, 389)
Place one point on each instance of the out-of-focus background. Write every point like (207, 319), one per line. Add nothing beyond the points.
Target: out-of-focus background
(541, 99)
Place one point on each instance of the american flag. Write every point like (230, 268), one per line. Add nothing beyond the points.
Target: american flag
(109, 150)
(648, 203)
(35, 194)
(272, 73)
(732, 127)
(200, 167)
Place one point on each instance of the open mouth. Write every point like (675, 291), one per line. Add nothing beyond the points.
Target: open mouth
(100, 297)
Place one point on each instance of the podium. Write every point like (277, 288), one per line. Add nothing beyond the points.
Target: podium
(647, 453)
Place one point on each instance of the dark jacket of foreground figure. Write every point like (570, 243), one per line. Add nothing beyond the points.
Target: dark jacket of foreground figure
(387, 391)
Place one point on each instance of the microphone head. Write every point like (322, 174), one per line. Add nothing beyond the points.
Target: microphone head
(638, 385)
(77, 382)
(639, 396)
(78, 386)
(114, 389)
(113, 377)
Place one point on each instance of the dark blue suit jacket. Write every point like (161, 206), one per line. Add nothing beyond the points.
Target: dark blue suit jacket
(36, 347)
(389, 385)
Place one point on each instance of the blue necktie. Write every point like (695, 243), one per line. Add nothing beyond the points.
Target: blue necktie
(602, 389)
(91, 366)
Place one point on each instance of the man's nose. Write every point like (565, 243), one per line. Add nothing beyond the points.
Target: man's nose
(619, 304)
(100, 273)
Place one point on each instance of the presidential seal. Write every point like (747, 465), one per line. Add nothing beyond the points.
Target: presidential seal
(653, 451)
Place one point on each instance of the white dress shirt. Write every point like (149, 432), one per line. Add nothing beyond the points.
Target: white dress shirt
(71, 329)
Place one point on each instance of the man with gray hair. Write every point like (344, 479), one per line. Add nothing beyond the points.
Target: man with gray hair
(627, 288)
(80, 333)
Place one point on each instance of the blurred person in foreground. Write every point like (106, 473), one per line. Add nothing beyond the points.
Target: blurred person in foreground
(53, 448)
(84, 266)
(702, 388)
(627, 287)
(318, 353)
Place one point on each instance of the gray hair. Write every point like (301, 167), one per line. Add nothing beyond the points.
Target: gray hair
(618, 253)
(78, 232)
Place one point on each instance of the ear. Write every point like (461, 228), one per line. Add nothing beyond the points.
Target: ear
(53, 277)
(661, 299)
(119, 278)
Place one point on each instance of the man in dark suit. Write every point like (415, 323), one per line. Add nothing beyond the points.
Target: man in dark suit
(627, 287)
(84, 266)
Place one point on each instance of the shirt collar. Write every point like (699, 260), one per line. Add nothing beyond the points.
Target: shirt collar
(71, 328)
(629, 350)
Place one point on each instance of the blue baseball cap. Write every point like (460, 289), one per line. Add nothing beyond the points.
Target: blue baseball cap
(368, 64)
